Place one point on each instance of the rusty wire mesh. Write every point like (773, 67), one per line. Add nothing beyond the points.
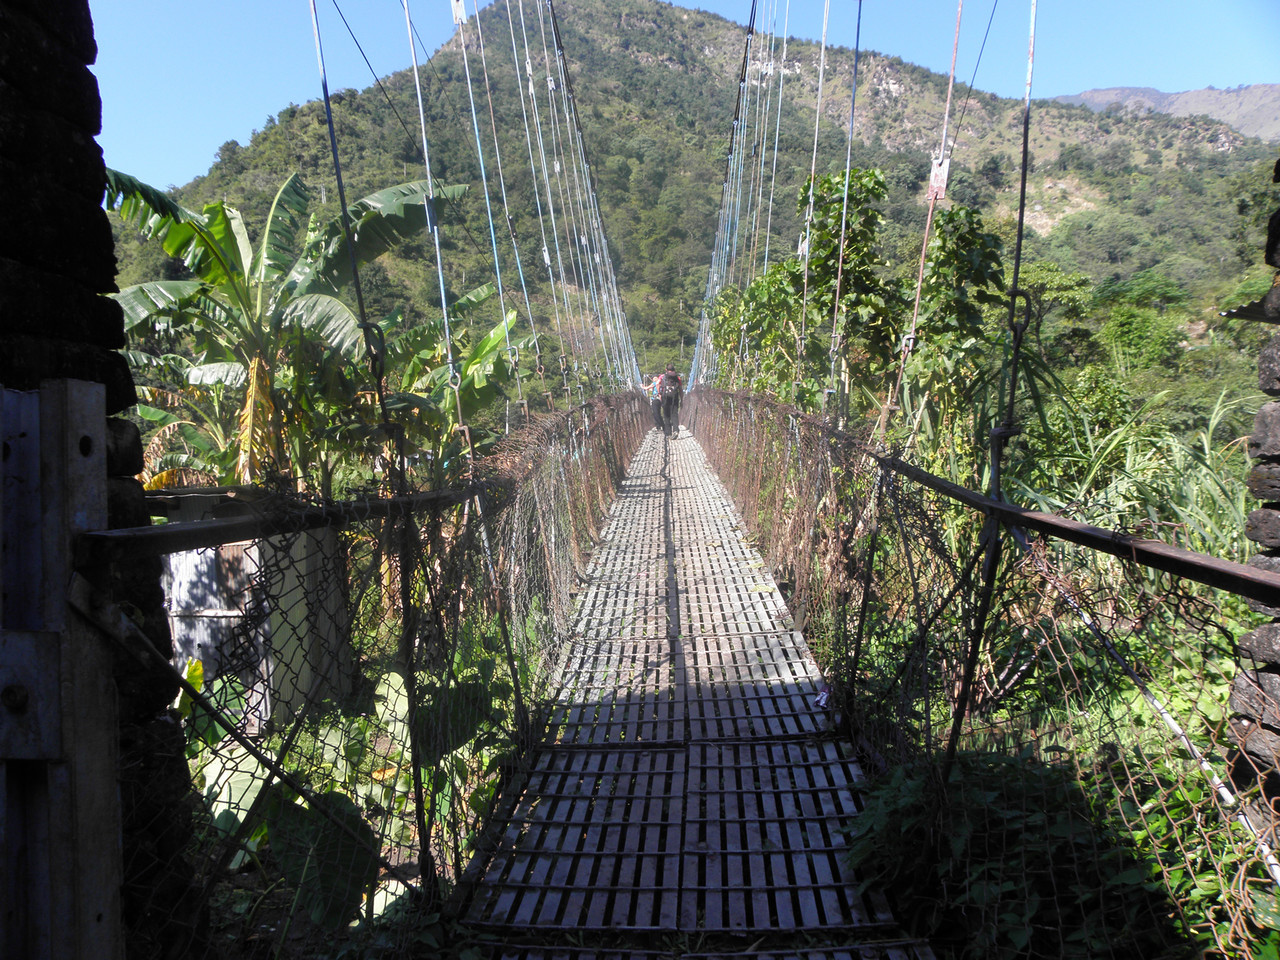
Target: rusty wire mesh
(1096, 803)
(360, 680)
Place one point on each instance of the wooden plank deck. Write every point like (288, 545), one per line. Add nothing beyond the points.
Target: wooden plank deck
(687, 786)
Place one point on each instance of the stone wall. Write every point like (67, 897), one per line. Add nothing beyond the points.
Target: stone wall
(1255, 693)
(56, 260)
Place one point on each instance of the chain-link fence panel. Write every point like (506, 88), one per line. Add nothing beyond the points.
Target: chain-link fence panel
(359, 681)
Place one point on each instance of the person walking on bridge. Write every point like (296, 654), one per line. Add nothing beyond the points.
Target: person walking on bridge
(652, 390)
(672, 391)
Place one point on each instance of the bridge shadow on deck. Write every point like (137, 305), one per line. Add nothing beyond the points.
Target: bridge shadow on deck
(688, 789)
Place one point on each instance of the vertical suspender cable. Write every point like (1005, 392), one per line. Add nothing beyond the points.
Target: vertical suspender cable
(541, 171)
(460, 19)
(992, 540)
(763, 130)
(1016, 329)
(702, 369)
(777, 129)
(606, 293)
(844, 207)
(372, 340)
(801, 331)
(533, 179)
(937, 189)
(433, 226)
(512, 353)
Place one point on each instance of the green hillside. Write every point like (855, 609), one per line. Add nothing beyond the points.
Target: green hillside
(1112, 195)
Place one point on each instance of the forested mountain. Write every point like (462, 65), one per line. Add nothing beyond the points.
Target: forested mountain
(1253, 109)
(1116, 195)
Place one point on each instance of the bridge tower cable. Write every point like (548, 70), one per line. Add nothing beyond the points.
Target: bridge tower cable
(937, 190)
(703, 367)
(433, 220)
(610, 301)
(582, 239)
(836, 310)
(574, 292)
(801, 330)
(992, 541)
(460, 20)
(761, 145)
(737, 169)
(777, 130)
(973, 78)
(511, 225)
(582, 235)
(513, 353)
(556, 274)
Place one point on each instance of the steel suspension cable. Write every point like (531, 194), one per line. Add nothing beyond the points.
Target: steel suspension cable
(607, 294)
(460, 20)
(433, 226)
(738, 167)
(844, 209)
(937, 190)
(375, 346)
(777, 129)
(569, 221)
(540, 369)
(964, 108)
(767, 69)
(991, 536)
(702, 368)
(801, 330)
(1007, 430)
(376, 79)
(542, 167)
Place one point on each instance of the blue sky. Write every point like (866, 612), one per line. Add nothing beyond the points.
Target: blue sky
(179, 79)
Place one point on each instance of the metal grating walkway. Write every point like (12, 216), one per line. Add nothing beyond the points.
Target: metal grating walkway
(687, 788)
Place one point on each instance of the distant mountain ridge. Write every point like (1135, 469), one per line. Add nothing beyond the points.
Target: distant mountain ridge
(1109, 195)
(1254, 110)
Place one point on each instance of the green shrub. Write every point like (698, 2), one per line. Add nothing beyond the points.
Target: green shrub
(1010, 861)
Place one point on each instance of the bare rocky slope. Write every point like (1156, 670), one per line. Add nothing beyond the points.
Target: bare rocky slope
(1254, 110)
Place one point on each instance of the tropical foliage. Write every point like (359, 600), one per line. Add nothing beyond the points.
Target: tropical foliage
(269, 378)
(839, 315)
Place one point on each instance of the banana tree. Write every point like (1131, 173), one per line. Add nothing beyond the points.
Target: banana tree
(266, 323)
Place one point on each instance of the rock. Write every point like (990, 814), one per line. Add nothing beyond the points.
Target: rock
(1262, 643)
(126, 503)
(1264, 481)
(1270, 563)
(1272, 251)
(1255, 739)
(1265, 441)
(1250, 699)
(1269, 367)
(1271, 301)
(1263, 526)
(25, 361)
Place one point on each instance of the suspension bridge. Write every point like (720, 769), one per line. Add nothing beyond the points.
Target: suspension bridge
(689, 783)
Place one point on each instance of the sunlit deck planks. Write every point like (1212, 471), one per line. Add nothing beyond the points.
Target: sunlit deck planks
(687, 785)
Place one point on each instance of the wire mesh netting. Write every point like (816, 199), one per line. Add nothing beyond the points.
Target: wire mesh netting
(359, 678)
(1057, 769)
